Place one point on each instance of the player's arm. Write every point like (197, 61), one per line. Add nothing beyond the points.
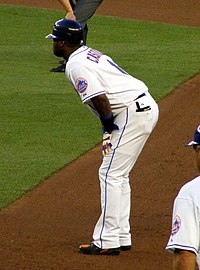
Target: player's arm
(68, 8)
(184, 260)
(102, 105)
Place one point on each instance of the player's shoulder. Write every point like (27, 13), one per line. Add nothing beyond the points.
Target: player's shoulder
(85, 56)
(79, 53)
(191, 188)
(77, 59)
(192, 183)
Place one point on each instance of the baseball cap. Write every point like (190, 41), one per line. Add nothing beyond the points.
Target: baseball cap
(196, 140)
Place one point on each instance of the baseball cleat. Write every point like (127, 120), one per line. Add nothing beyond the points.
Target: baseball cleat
(60, 68)
(125, 248)
(62, 62)
(92, 249)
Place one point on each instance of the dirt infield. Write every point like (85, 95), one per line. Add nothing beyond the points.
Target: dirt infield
(42, 230)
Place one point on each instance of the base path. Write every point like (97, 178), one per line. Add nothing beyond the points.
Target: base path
(42, 230)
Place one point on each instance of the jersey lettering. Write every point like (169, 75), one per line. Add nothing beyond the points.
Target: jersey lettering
(94, 55)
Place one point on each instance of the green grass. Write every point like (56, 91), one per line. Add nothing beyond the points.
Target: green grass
(44, 126)
(162, 55)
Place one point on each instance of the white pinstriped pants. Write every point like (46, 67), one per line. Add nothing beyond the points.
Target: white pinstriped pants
(113, 229)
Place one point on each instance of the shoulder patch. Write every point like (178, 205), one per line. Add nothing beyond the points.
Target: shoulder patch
(81, 85)
(176, 225)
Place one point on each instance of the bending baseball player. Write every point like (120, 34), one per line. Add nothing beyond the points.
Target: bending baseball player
(128, 115)
(184, 241)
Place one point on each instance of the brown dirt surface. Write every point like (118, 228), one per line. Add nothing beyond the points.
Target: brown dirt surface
(42, 230)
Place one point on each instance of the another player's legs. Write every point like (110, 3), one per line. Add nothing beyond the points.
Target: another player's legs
(85, 9)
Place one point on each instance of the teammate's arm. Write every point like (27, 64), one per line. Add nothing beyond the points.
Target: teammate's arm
(68, 8)
(184, 260)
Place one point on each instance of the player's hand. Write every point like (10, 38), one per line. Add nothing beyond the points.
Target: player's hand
(70, 16)
(106, 144)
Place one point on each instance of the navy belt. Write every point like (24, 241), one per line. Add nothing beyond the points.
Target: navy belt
(142, 95)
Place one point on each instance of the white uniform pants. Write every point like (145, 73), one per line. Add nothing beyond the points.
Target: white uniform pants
(113, 229)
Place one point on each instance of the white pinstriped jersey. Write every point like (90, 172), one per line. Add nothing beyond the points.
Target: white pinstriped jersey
(93, 73)
(186, 219)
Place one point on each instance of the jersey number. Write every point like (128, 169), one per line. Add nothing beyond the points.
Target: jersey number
(117, 67)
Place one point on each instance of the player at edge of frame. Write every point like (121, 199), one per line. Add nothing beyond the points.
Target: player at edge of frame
(184, 241)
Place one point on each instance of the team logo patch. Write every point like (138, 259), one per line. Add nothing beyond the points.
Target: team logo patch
(81, 85)
(198, 129)
(176, 225)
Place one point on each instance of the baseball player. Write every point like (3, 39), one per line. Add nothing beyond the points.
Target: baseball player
(184, 241)
(128, 115)
(81, 11)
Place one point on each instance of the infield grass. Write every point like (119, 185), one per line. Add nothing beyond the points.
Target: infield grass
(44, 126)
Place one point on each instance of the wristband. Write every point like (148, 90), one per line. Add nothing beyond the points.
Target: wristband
(107, 122)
